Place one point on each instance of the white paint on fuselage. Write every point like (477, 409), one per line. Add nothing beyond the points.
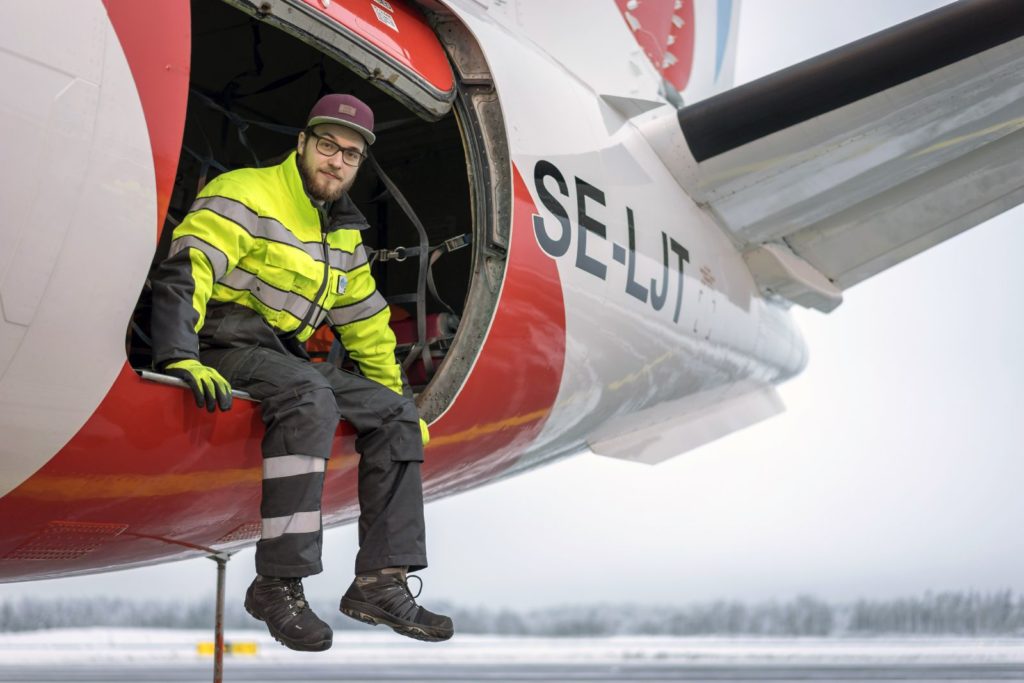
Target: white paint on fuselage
(622, 355)
(78, 224)
(79, 209)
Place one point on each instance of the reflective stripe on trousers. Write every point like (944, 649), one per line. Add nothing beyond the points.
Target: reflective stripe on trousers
(301, 403)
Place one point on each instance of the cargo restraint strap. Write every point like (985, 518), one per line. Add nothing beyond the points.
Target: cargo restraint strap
(426, 257)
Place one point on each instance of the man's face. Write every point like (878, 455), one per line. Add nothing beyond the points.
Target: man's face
(327, 178)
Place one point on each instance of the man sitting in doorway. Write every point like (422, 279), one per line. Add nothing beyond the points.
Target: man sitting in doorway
(263, 257)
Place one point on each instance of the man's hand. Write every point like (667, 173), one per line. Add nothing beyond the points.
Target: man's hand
(208, 386)
(424, 432)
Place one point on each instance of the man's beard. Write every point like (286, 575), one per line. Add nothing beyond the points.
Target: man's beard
(315, 187)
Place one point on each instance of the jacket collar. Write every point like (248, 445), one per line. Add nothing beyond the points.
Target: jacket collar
(342, 214)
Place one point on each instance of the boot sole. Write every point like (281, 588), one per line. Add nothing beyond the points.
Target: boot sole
(290, 643)
(369, 614)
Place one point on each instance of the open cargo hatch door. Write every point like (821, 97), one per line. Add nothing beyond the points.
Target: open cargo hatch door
(387, 42)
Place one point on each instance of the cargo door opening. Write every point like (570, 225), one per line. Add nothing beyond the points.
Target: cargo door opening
(254, 77)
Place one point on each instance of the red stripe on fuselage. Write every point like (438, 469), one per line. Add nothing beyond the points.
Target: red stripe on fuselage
(157, 41)
(152, 478)
(509, 394)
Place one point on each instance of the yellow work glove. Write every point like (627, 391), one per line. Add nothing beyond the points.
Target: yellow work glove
(424, 432)
(207, 385)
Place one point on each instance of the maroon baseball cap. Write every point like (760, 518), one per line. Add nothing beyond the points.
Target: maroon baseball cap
(344, 110)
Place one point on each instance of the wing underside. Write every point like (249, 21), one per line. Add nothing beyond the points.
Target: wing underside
(833, 170)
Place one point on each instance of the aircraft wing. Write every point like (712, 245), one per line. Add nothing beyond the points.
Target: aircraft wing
(835, 169)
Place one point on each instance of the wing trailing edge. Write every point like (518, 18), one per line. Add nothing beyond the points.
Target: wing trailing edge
(828, 172)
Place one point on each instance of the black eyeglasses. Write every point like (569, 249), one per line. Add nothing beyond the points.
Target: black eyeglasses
(329, 148)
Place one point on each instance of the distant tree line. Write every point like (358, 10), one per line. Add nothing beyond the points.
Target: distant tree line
(973, 614)
(951, 613)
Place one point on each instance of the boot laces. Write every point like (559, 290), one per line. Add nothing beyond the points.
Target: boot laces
(419, 589)
(396, 598)
(295, 595)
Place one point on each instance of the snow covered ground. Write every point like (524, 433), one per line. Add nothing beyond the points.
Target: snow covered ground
(153, 646)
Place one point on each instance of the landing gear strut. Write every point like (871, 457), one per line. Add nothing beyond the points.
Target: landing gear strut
(218, 624)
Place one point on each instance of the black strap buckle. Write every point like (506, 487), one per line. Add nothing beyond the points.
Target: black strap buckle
(454, 243)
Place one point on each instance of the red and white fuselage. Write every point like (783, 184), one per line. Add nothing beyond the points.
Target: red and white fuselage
(628, 321)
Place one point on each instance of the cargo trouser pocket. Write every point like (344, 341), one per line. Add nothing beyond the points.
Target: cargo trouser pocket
(408, 442)
(407, 455)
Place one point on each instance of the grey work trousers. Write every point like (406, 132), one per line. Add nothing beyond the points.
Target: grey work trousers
(301, 403)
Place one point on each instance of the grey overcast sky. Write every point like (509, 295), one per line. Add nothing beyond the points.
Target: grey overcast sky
(896, 469)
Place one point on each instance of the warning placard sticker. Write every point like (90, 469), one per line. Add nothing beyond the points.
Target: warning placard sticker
(385, 18)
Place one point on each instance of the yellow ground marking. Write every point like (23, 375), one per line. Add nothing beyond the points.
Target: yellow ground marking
(244, 648)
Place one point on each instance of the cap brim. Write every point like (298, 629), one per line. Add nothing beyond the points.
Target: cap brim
(367, 135)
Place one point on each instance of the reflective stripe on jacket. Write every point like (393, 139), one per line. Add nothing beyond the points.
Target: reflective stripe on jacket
(247, 266)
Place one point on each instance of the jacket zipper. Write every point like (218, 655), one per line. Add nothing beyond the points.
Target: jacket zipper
(322, 291)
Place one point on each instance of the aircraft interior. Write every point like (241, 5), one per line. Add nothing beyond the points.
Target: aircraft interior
(251, 87)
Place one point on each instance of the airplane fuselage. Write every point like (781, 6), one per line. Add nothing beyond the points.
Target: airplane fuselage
(606, 309)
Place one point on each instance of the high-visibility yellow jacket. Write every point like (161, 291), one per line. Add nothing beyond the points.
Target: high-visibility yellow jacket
(256, 262)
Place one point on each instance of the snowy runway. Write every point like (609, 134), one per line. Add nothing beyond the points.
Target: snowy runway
(172, 655)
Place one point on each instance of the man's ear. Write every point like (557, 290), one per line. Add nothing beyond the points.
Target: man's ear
(300, 142)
